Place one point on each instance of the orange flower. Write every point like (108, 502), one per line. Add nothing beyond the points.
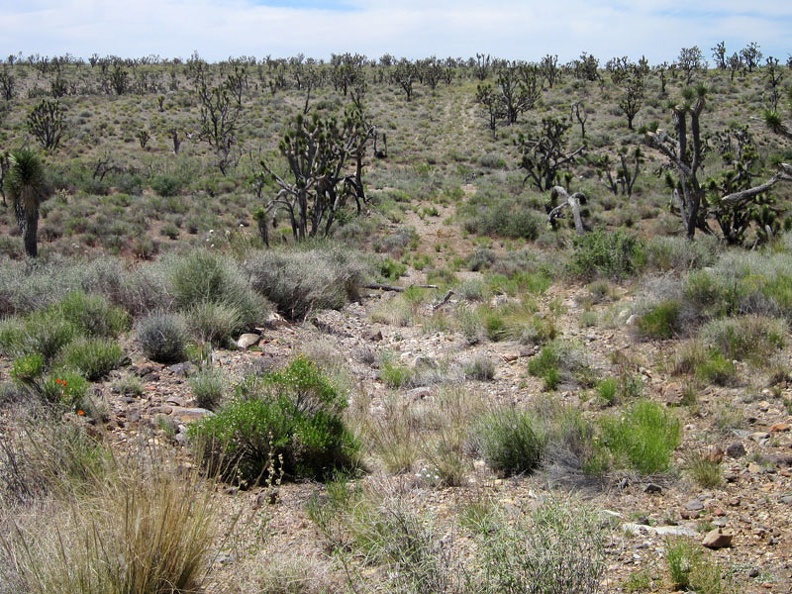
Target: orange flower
(81, 412)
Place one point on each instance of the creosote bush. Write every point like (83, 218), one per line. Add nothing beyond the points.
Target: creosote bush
(293, 415)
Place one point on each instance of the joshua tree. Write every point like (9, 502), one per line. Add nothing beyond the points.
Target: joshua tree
(46, 122)
(691, 61)
(317, 152)
(751, 55)
(543, 155)
(27, 187)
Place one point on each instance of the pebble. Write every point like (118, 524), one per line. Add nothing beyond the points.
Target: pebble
(719, 538)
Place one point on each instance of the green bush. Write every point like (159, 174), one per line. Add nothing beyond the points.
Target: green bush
(215, 323)
(293, 416)
(163, 337)
(166, 185)
(94, 358)
(753, 338)
(507, 442)
(92, 315)
(47, 333)
(689, 568)
(660, 321)
(28, 369)
(606, 254)
(66, 387)
(644, 436)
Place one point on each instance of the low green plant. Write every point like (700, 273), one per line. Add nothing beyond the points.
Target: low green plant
(645, 436)
(94, 358)
(606, 254)
(208, 387)
(395, 374)
(753, 338)
(294, 413)
(93, 315)
(660, 321)
(66, 387)
(607, 390)
(690, 569)
(215, 323)
(507, 441)
(27, 370)
(705, 471)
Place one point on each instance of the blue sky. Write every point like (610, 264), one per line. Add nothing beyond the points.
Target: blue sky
(514, 29)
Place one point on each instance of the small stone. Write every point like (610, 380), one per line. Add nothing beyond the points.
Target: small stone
(653, 488)
(760, 436)
(779, 427)
(248, 340)
(718, 539)
(736, 450)
(694, 505)
(375, 336)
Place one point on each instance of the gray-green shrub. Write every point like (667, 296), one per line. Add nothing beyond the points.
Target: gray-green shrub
(163, 337)
(507, 441)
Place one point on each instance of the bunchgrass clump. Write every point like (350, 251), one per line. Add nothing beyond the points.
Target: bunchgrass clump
(163, 337)
(690, 569)
(94, 358)
(508, 442)
(643, 437)
(606, 254)
(558, 548)
(208, 387)
(146, 530)
(309, 279)
(746, 338)
(660, 321)
(706, 471)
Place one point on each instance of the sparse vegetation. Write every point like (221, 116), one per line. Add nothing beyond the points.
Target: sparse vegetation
(426, 352)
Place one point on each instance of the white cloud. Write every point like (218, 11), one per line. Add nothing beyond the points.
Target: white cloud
(413, 28)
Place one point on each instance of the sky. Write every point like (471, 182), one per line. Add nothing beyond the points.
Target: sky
(509, 29)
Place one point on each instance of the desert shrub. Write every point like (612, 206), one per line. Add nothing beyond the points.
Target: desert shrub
(94, 358)
(607, 390)
(66, 387)
(706, 471)
(46, 456)
(208, 387)
(559, 548)
(645, 436)
(659, 321)
(561, 362)
(680, 255)
(606, 254)
(753, 338)
(293, 415)
(506, 440)
(689, 568)
(47, 333)
(138, 291)
(28, 369)
(480, 367)
(215, 323)
(202, 276)
(166, 185)
(499, 217)
(92, 315)
(163, 337)
(304, 280)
